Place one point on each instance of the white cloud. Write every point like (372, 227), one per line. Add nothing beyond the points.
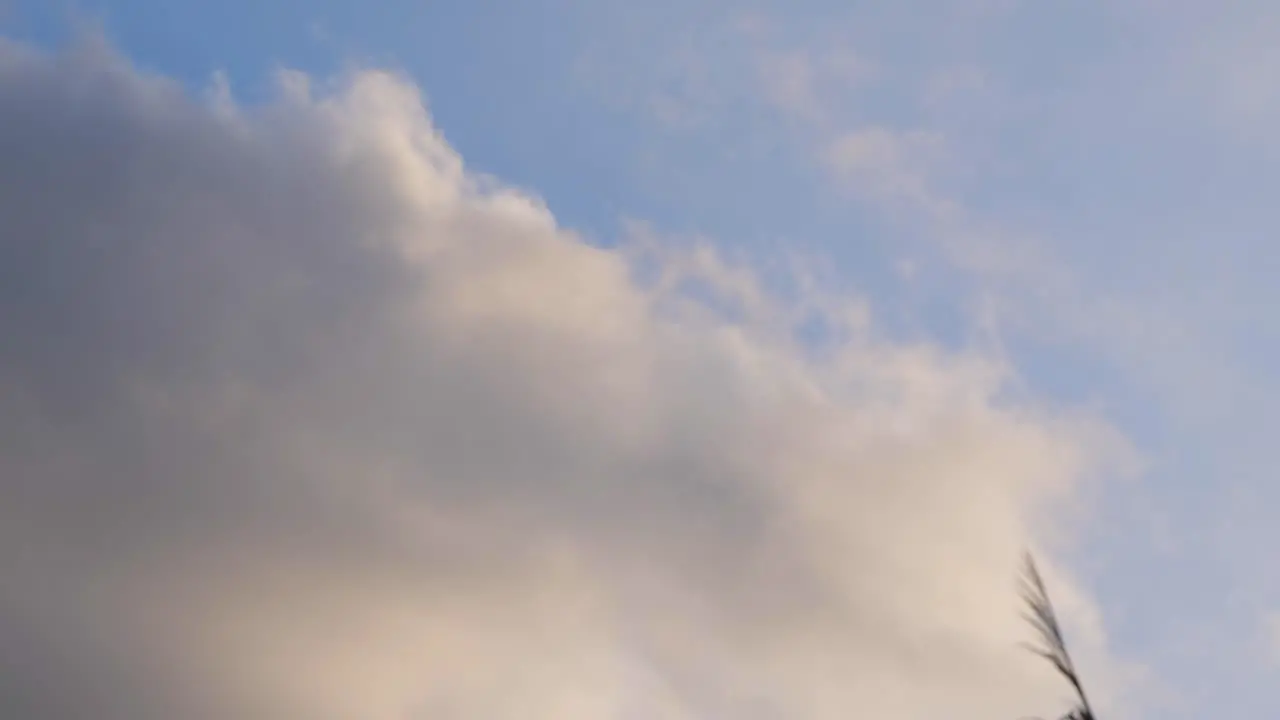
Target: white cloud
(308, 421)
(810, 85)
(890, 166)
(789, 83)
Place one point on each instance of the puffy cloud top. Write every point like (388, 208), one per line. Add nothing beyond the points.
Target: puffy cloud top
(299, 418)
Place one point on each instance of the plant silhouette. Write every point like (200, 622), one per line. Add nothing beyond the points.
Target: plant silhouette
(1052, 645)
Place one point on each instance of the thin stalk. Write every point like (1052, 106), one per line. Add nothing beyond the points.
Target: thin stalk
(1053, 645)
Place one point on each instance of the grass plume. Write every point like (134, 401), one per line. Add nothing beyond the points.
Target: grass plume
(1052, 646)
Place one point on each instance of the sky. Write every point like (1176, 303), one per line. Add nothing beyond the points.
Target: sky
(690, 360)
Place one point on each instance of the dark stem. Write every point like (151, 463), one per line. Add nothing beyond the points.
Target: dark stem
(1053, 645)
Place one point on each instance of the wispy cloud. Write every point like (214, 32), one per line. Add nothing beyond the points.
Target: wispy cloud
(890, 166)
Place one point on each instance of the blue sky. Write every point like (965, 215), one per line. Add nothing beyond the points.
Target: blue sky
(1082, 187)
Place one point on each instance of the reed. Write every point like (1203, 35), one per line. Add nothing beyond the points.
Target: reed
(1052, 645)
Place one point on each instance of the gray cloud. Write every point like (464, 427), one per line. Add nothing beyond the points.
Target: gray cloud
(299, 418)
